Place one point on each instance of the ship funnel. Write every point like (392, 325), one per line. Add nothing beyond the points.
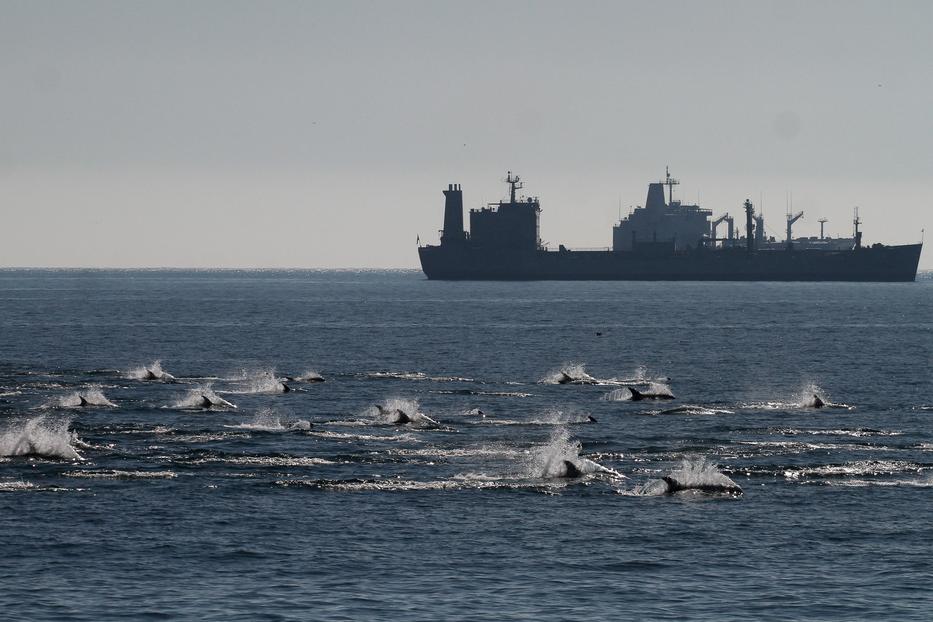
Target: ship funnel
(655, 198)
(453, 215)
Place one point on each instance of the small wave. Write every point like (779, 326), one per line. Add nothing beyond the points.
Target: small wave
(924, 482)
(463, 452)
(405, 485)
(559, 417)
(859, 468)
(268, 420)
(856, 432)
(697, 475)
(261, 461)
(692, 409)
(118, 474)
(414, 375)
(489, 393)
(39, 436)
(342, 436)
(10, 393)
(16, 485)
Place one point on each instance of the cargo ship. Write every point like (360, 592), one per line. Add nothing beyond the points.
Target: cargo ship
(663, 240)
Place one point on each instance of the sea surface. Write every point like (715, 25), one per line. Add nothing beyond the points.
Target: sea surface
(211, 493)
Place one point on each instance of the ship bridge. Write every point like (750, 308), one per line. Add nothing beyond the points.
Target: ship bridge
(512, 224)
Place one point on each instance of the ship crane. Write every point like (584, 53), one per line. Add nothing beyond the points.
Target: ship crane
(790, 223)
(731, 233)
(715, 224)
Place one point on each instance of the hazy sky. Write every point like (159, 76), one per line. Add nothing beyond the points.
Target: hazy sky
(320, 134)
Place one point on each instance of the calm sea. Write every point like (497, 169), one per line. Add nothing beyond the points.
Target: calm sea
(212, 493)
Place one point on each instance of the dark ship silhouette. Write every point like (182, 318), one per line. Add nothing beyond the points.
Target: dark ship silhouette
(664, 240)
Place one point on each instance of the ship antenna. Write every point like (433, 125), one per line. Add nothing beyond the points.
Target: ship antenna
(514, 182)
(670, 182)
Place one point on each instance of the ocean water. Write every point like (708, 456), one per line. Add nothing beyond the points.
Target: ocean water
(213, 494)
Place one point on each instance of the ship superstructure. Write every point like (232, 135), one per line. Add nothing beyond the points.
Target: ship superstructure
(663, 240)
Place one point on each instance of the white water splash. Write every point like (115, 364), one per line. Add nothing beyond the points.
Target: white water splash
(44, 436)
(692, 474)
(550, 460)
(153, 371)
(569, 373)
(262, 381)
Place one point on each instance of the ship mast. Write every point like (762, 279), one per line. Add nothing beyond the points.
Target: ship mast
(514, 183)
(670, 182)
(749, 226)
(858, 235)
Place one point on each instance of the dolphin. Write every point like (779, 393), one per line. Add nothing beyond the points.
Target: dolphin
(285, 387)
(210, 402)
(816, 402)
(566, 378)
(82, 401)
(150, 375)
(638, 396)
(672, 486)
(567, 470)
(399, 418)
(395, 416)
(307, 378)
(476, 412)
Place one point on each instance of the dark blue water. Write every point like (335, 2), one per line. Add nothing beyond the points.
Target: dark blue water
(310, 505)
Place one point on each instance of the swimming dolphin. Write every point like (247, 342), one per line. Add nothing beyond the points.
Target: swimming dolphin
(285, 387)
(158, 375)
(312, 377)
(638, 396)
(567, 470)
(82, 401)
(728, 487)
(816, 402)
(210, 402)
(566, 378)
(476, 412)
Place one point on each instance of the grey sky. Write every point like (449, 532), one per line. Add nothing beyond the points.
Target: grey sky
(321, 134)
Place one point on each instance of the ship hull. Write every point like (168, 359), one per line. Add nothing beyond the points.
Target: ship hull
(878, 263)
